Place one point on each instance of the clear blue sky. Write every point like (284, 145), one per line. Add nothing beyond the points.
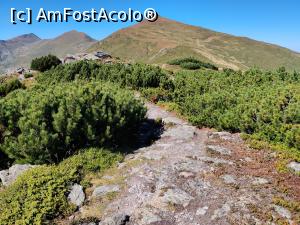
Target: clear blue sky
(276, 21)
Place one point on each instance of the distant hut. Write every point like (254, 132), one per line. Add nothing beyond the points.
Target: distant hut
(102, 55)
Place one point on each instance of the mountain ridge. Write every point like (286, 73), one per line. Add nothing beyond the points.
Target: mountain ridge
(21, 55)
(155, 42)
(165, 39)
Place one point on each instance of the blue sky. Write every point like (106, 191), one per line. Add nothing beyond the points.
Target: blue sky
(274, 21)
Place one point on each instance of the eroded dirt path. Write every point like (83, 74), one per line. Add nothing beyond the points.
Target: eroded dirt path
(195, 176)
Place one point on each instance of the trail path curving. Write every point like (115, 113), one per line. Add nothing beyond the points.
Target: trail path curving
(196, 176)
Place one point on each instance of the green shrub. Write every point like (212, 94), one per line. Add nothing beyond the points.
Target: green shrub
(92, 160)
(46, 124)
(28, 75)
(40, 194)
(178, 62)
(136, 76)
(266, 104)
(192, 64)
(9, 86)
(45, 63)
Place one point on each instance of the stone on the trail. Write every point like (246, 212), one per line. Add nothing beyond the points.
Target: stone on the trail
(214, 160)
(197, 186)
(177, 197)
(225, 136)
(221, 212)
(283, 212)
(119, 219)
(219, 149)
(184, 132)
(10, 175)
(294, 166)
(248, 159)
(103, 190)
(202, 211)
(191, 166)
(152, 155)
(149, 217)
(76, 195)
(228, 179)
(185, 174)
(173, 120)
(260, 181)
(107, 177)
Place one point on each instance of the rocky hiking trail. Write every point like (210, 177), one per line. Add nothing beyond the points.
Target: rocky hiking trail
(193, 176)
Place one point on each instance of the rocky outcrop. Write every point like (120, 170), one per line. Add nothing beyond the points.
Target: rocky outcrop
(10, 175)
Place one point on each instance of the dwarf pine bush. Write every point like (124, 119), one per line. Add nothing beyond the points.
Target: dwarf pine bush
(136, 76)
(40, 194)
(266, 104)
(45, 63)
(48, 123)
(9, 86)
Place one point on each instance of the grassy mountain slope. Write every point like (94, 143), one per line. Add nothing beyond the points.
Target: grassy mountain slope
(165, 39)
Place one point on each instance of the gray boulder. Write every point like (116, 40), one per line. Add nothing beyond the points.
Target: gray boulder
(10, 175)
(76, 195)
(283, 212)
(294, 166)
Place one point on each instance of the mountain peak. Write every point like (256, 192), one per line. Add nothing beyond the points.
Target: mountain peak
(74, 34)
(26, 38)
(30, 35)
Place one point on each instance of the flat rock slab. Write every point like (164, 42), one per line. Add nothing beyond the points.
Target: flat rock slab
(147, 216)
(10, 175)
(260, 181)
(229, 179)
(214, 160)
(177, 197)
(225, 136)
(103, 190)
(202, 211)
(221, 212)
(219, 149)
(181, 132)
